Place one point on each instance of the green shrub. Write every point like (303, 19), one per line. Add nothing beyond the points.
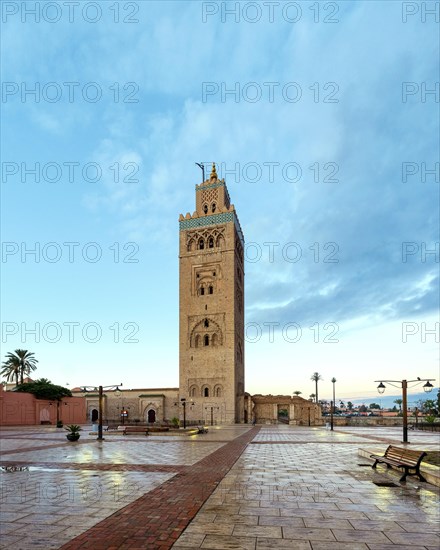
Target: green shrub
(175, 422)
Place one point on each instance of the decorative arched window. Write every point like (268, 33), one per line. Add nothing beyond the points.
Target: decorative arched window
(205, 208)
(206, 323)
(202, 291)
(211, 242)
(220, 241)
(214, 340)
(201, 244)
(206, 340)
(218, 391)
(206, 392)
(193, 391)
(210, 289)
(213, 207)
(197, 341)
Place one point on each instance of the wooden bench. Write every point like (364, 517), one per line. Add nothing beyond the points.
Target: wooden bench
(401, 458)
(135, 430)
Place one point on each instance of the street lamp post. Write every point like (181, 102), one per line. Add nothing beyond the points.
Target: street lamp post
(100, 403)
(122, 411)
(212, 413)
(332, 406)
(427, 387)
(183, 403)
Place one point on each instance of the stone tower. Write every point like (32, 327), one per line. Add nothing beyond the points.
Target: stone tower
(211, 270)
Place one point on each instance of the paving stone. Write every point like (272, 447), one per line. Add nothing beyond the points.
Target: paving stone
(378, 525)
(215, 542)
(328, 523)
(422, 539)
(419, 527)
(354, 535)
(269, 544)
(306, 533)
(281, 521)
(268, 531)
(235, 519)
(399, 547)
(341, 546)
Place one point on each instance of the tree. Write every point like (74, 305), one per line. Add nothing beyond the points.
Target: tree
(297, 392)
(349, 405)
(374, 406)
(44, 389)
(316, 377)
(398, 402)
(312, 396)
(428, 406)
(363, 409)
(11, 369)
(21, 362)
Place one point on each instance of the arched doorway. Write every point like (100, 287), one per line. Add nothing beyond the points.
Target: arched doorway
(44, 416)
(94, 415)
(283, 413)
(151, 416)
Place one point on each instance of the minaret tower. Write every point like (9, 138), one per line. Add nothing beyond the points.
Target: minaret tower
(211, 271)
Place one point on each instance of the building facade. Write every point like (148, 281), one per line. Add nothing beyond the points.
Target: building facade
(274, 409)
(211, 306)
(128, 406)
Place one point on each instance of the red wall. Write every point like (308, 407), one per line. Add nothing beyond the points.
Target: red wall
(20, 409)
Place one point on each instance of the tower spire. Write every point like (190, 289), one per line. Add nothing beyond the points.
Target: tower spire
(213, 172)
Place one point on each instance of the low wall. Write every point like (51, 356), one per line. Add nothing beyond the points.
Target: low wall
(371, 421)
(23, 409)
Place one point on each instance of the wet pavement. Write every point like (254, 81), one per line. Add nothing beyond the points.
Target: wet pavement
(235, 487)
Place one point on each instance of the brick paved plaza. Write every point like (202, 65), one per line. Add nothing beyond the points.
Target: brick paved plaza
(235, 487)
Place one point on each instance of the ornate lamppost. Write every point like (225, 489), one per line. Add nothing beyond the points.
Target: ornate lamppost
(403, 384)
(100, 405)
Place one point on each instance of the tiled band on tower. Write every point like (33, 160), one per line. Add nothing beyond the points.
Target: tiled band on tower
(211, 269)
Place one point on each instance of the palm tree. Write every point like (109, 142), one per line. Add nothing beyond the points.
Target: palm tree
(21, 362)
(11, 369)
(297, 392)
(315, 377)
(312, 396)
(398, 402)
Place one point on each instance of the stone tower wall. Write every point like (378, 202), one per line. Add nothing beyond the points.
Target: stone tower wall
(211, 285)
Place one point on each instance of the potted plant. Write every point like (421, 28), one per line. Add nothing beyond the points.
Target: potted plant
(59, 423)
(73, 430)
(175, 422)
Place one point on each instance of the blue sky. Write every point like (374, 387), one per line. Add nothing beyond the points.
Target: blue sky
(330, 187)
